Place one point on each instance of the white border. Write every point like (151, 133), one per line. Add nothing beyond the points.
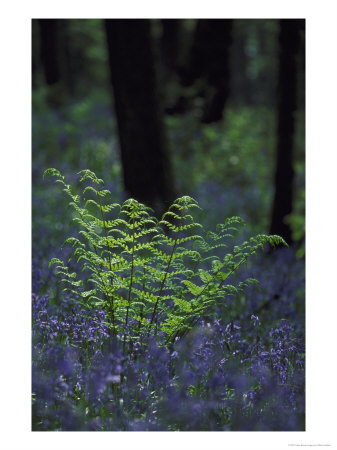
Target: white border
(321, 222)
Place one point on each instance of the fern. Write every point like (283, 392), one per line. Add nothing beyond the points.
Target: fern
(149, 276)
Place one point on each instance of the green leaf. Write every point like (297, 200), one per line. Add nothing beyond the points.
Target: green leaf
(205, 276)
(193, 288)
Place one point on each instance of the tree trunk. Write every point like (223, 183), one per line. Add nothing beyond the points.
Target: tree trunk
(209, 63)
(171, 43)
(49, 48)
(289, 39)
(144, 154)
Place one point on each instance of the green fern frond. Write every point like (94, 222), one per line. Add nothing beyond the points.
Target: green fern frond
(159, 273)
(89, 175)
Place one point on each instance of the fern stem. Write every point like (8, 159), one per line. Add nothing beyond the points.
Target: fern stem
(101, 278)
(131, 281)
(163, 282)
(110, 298)
(142, 309)
(105, 230)
(233, 270)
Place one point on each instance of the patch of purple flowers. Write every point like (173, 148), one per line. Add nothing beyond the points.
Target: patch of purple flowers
(240, 375)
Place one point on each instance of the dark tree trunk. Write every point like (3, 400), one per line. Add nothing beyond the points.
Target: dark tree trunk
(241, 89)
(210, 63)
(49, 48)
(35, 53)
(71, 75)
(146, 166)
(171, 42)
(174, 46)
(289, 39)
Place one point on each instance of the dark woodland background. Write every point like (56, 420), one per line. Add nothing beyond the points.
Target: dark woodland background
(212, 108)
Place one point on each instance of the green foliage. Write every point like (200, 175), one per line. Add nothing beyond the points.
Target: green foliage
(150, 276)
(234, 153)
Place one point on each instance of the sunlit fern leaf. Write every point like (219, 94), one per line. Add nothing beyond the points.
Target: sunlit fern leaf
(150, 276)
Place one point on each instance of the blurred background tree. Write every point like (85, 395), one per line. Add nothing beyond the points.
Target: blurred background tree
(146, 165)
(212, 108)
(289, 42)
(50, 51)
(208, 66)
